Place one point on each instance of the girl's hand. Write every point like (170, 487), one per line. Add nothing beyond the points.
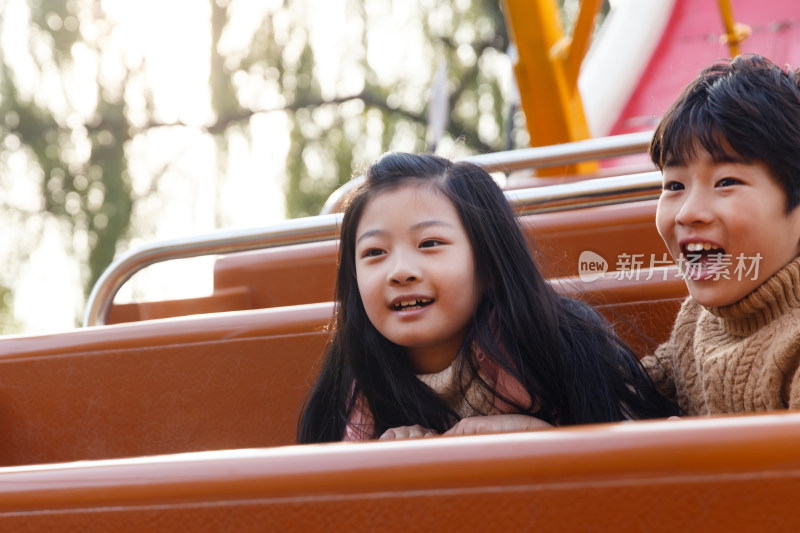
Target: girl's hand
(407, 432)
(496, 424)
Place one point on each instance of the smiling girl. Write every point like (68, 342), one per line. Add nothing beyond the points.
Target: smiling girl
(445, 325)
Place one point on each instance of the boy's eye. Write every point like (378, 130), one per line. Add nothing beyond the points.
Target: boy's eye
(673, 186)
(727, 182)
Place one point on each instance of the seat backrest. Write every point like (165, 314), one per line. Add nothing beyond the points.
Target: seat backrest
(232, 380)
(305, 273)
(703, 475)
(217, 381)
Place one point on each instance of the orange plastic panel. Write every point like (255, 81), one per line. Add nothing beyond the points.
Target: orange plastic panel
(305, 273)
(724, 474)
(209, 382)
(220, 381)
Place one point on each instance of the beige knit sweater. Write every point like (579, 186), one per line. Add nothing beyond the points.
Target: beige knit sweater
(469, 399)
(739, 358)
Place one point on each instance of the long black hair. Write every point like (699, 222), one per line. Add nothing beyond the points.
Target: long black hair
(557, 348)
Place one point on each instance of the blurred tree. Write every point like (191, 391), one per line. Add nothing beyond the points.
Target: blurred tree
(7, 322)
(352, 78)
(340, 121)
(77, 156)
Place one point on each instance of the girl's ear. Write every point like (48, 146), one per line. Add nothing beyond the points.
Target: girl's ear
(484, 286)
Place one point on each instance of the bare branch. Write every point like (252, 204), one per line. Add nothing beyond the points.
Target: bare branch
(243, 115)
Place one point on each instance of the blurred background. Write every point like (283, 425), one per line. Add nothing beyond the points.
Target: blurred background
(126, 122)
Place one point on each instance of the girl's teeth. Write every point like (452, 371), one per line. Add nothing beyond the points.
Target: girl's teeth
(411, 303)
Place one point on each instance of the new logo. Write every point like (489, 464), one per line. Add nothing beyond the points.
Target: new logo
(591, 266)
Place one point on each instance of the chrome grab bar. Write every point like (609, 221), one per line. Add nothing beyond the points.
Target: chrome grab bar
(537, 157)
(564, 154)
(294, 231)
(587, 193)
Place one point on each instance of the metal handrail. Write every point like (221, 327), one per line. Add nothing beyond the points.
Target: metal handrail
(295, 231)
(564, 154)
(599, 191)
(536, 157)
(587, 193)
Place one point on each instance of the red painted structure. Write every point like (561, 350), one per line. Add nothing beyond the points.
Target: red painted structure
(692, 40)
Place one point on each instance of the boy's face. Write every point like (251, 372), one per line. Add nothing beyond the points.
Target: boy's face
(726, 224)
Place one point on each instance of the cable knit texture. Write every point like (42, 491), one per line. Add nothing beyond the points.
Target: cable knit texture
(475, 401)
(734, 359)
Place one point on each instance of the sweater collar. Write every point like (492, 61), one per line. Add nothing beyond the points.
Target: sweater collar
(441, 382)
(771, 299)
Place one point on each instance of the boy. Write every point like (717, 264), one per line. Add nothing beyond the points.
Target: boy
(729, 152)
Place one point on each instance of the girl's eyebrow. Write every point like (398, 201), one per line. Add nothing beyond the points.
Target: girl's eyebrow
(370, 233)
(419, 225)
(428, 223)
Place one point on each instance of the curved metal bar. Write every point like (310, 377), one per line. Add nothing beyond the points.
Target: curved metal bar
(587, 193)
(564, 154)
(337, 195)
(579, 194)
(295, 231)
(537, 157)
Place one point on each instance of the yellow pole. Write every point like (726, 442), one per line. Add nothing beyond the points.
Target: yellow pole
(581, 38)
(735, 32)
(547, 72)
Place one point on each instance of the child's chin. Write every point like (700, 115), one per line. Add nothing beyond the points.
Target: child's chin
(709, 296)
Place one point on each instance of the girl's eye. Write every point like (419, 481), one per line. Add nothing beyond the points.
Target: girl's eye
(429, 243)
(727, 182)
(372, 252)
(673, 186)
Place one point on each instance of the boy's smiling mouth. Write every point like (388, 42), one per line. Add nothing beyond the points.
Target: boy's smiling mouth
(701, 247)
(701, 258)
(403, 304)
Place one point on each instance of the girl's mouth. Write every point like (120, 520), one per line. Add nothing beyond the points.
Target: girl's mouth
(412, 303)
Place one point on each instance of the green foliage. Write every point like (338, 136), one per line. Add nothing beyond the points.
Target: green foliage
(86, 189)
(333, 136)
(7, 322)
(342, 111)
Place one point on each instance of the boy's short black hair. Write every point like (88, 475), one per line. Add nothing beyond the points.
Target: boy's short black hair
(746, 109)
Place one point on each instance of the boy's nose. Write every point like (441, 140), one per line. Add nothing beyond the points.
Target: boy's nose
(695, 209)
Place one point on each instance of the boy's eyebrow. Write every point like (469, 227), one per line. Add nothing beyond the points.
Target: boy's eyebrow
(419, 225)
(729, 158)
(725, 157)
(674, 160)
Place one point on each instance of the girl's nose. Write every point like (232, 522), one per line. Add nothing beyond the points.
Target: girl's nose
(695, 209)
(404, 270)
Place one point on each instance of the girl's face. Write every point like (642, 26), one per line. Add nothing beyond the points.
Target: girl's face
(416, 273)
